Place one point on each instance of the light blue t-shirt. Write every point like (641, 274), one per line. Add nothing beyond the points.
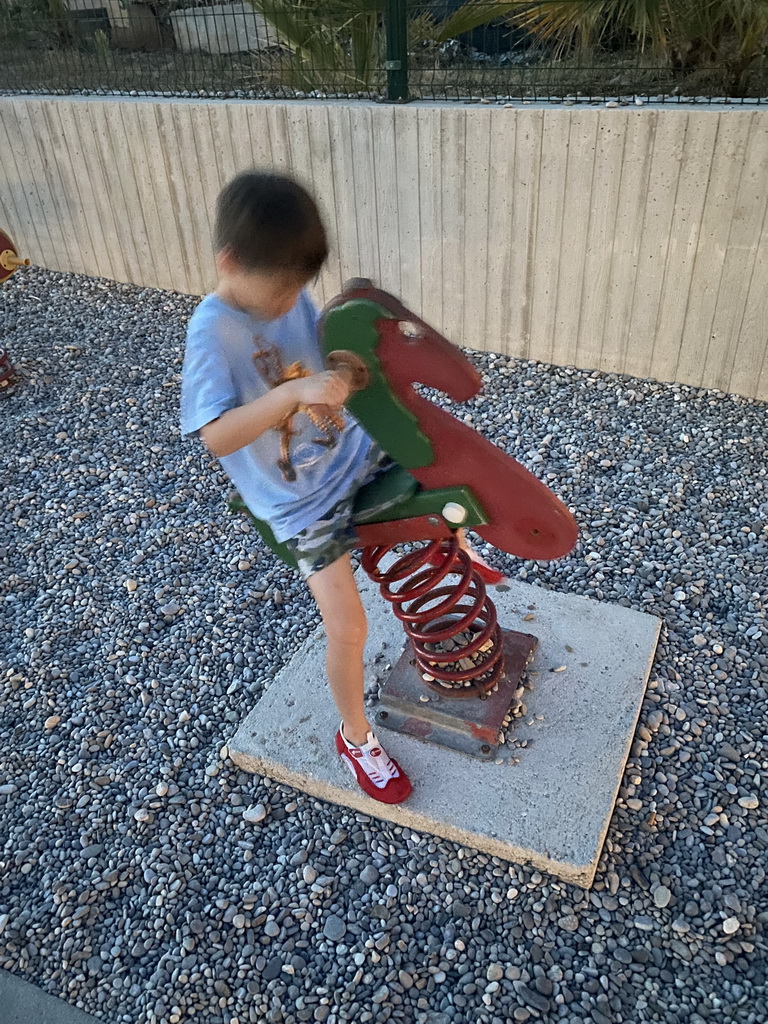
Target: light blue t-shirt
(220, 373)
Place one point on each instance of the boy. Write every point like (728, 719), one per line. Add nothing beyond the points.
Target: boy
(240, 386)
(254, 389)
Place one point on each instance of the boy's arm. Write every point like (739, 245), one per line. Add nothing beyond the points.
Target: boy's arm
(236, 428)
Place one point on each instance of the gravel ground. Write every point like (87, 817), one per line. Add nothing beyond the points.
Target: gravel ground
(148, 881)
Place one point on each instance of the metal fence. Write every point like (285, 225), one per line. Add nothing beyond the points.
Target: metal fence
(382, 49)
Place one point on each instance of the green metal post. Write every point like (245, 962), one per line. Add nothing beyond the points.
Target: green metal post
(396, 27)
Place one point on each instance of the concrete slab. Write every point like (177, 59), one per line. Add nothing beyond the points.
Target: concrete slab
(22, 1003)
(552, 810)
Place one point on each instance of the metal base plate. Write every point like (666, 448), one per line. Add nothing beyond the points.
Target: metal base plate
(470, 725)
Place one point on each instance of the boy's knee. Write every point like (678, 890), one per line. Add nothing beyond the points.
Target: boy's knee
(349, 632)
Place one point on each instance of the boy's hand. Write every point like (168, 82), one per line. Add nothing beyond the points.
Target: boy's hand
(327, 388)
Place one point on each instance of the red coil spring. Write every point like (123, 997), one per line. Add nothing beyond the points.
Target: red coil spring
(463, 613)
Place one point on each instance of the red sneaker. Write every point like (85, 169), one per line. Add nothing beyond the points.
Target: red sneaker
(376, 773)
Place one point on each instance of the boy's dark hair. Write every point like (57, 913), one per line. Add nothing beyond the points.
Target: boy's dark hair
(269, 222)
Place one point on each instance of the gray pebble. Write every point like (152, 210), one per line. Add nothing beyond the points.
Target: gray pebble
(334, 928)
(255, 814)
(495, 972)
(273, 969)
(135, 579)
(532, 997)
(91, 851)
(380, 995)
(569, 923)
(661, 896)
(600, 1018)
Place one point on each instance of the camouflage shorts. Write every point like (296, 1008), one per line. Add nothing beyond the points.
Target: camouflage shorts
(333, 535)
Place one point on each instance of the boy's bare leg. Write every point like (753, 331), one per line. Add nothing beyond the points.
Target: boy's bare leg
(461, 537)
(486, 572)
(346, 628)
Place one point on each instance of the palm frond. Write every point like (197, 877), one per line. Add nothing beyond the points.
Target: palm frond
(469, 16)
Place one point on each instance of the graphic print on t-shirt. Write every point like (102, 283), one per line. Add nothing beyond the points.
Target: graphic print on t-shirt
(269, 364)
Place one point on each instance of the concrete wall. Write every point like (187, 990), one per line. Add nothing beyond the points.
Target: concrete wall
(629, 239)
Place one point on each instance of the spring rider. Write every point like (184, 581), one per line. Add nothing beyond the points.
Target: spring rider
(455, 683)
(9, 264)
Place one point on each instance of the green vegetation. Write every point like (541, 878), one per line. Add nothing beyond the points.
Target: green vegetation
(590, 48)
(685, 35)
(343, 40)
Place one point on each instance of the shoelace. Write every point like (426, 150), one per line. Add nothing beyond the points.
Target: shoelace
(381, 769)
(375, 762)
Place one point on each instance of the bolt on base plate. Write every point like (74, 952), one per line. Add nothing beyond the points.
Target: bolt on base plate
(470, 725)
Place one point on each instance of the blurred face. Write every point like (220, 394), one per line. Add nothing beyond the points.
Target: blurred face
(266, 294)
